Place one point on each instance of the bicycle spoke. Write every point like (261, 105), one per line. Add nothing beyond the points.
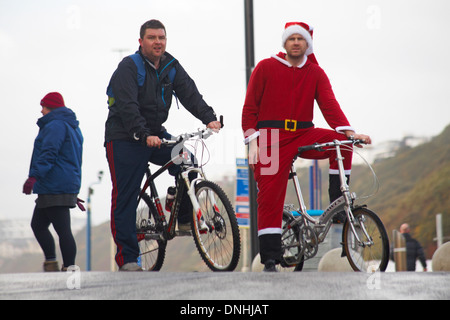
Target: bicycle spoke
(370, 254)
(152, 251)
(220, 245)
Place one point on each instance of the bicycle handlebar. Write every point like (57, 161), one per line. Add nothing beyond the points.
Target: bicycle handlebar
(202, 133)
(335, 143)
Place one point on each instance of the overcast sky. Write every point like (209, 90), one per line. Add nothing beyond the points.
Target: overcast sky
(387, 62)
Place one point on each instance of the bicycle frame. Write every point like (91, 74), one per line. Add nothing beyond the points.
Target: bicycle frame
(344, 203)
(186, 168)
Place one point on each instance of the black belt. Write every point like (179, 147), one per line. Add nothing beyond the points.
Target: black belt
(288, 125)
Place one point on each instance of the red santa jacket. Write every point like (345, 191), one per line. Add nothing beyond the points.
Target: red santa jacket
(279, 91)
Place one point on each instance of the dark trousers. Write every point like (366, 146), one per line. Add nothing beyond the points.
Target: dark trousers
(59, 217)
(128, 162)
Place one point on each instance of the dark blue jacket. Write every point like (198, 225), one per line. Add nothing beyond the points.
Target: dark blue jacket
(57, 154)
(140, 111)
(414, 251)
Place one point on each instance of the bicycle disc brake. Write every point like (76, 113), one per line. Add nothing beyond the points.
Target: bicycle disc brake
(309, 241)
(218, 225)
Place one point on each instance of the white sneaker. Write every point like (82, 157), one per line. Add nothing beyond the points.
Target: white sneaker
(132, 266)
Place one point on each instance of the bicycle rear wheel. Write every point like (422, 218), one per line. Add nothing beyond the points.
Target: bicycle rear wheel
(152, 250)
(220, 246)
(363, 256)
(290, 244)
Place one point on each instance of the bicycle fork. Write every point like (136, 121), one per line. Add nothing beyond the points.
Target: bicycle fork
(191, 193)
(345, 189)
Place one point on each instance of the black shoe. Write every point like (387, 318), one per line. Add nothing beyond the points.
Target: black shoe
(270, 266)
(340, 218)
(334, 192)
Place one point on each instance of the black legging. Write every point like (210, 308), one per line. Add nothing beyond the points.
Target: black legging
(60, 218)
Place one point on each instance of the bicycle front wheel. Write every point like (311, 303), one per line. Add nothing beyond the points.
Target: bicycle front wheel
(215, 228)
(371, 253)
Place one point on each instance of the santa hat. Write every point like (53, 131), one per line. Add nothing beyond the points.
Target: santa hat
(53, 100)
(306, 31)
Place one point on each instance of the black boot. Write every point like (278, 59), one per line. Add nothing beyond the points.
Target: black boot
(270, 251)
(334, 192)
(270, 266)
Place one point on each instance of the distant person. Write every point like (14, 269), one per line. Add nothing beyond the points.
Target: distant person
(55, 176)
(414, 250)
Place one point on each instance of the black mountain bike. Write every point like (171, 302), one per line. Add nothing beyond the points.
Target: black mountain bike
(213, 222)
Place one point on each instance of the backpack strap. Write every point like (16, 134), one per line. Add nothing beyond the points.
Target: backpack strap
(140, 64)
(141, 71)
(172, 74)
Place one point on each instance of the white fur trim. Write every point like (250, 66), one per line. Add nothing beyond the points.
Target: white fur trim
(285, 62)
(344, 128)
(269, 231)
(251, 137)
(336, 172)
(296, 29)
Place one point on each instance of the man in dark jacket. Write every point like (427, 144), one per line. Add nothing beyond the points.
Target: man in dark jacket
(414, 250)
(138, 106)
(55, 175)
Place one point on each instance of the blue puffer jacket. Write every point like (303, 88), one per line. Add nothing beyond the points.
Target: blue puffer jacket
(57, 154)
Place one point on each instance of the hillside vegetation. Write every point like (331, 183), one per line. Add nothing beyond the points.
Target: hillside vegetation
(414, 187)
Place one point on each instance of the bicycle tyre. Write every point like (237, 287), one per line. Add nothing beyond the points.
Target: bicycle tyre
(366, 258)
(220, 247)
(151, 252)
(288, 236)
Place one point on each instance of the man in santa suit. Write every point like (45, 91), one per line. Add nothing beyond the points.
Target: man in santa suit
(277, 119)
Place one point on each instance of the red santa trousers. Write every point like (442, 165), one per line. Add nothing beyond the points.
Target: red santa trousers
(277, 151)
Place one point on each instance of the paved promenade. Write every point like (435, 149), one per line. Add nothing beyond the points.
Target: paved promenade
(225, 286)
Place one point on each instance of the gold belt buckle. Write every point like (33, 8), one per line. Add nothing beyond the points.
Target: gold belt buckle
(286, 125)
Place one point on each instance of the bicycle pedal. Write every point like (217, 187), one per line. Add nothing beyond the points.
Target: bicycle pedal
(150, 236)
(290, 261)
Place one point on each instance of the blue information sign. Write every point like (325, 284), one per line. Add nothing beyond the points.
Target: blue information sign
(242, 204)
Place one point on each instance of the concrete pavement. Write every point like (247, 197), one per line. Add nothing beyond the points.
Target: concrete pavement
(225, 286)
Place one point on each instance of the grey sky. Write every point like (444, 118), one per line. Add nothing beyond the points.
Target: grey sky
(387, 62)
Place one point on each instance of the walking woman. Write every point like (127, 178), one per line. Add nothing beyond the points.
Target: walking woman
(55, 176)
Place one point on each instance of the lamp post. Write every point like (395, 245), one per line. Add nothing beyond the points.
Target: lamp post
(88, 223)
(250, 64)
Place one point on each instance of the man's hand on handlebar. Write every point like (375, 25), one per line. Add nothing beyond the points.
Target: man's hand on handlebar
(215, 126)
(153, 141)
(356, 136)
